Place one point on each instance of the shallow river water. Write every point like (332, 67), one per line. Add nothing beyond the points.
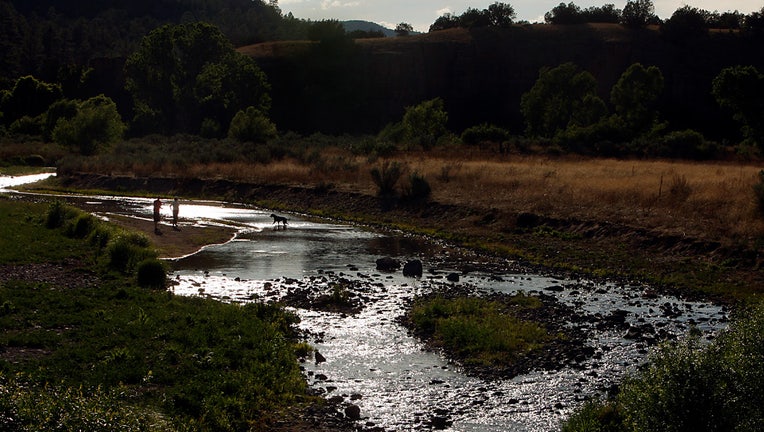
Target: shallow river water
(371, 360)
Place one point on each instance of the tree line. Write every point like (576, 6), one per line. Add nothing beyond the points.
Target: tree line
(187, 78)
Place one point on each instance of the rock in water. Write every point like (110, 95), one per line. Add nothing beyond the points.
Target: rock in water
(353, 412)
(413, 269)
(388, 264)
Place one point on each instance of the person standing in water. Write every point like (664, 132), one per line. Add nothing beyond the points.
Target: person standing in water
(175, 211)
(157, 216)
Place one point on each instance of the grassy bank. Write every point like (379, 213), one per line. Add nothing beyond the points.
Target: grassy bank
(84, 347)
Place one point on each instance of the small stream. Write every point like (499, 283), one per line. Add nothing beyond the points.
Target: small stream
(371, 360)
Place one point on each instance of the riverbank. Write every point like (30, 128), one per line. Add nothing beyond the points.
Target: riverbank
(709, 265)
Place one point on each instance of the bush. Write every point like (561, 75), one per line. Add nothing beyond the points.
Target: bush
(425, 123)
(688, 144)
(96, 124)
(125, 251)
(152, 273)
(485, 133)
(691, 386)
(251, 125)
(386, 177)
(82, 226)
(417, 189)
(58, 214)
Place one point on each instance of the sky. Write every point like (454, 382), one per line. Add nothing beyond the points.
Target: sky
(422, 13)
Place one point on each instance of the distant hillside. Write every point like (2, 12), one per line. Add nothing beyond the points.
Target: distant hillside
(482, 73)
(354, 25)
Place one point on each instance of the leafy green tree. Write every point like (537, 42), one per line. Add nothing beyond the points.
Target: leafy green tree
(251, 125)
(62, 109)
(638, 13)
(739, 89)
(183, 74)
(561, 97)
(96, 124)
(426, 122)
(634, 97)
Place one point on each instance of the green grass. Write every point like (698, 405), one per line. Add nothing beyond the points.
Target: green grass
(478, 331)
(23, 238)
(196, 363)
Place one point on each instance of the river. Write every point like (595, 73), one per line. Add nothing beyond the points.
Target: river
(371, 360)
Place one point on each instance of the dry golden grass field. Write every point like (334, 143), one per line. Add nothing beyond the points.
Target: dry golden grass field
(709, 200)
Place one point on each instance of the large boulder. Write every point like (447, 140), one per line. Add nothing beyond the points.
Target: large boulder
(353, 412)
(388, 264)
(413, 268)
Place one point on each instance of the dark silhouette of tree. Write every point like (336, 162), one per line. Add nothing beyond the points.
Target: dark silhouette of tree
(403, 29)
(740, 89)
(445, 22)
(501, 14)
(753, 24)
(472, 18)
(496, 15)
(686, 24)
(726, 20)
(602, 14)
(638, 13)
(564, 14)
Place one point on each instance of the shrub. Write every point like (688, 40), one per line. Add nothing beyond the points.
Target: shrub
(251, 125)
(97, 123)
(125, 251)
(418, 188)
(687, 144)
(425, 123)
(152, 274)
(679, 189)
(691, 386)
(27, 126)
(484, 133)
(83, 225)
(386, 177)
(56, 215)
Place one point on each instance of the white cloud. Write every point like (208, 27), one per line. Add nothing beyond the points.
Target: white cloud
(446, 10)
(334, 4)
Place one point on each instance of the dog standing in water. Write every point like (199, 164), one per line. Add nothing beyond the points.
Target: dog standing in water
(278, 220)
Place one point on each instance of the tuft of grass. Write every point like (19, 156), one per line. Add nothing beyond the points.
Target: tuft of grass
(386, 177)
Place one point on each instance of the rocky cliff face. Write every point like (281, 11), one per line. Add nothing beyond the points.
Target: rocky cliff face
(482, 73)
